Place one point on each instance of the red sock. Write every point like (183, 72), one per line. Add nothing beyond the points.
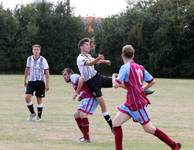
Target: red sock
(85, 128)
(165, 138)
(118, 138)
(79, 123)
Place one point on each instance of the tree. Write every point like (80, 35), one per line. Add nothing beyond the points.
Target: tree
(57, 31)
(8, 28)
(161, 32)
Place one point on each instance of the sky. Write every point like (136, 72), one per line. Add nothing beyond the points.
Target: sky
(98, 8)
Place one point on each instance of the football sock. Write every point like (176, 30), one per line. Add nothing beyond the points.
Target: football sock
(30, 107)
(118, 133)
(79, 123)
(85, 128)
(40, 109)
(107, 118)
(165, 138)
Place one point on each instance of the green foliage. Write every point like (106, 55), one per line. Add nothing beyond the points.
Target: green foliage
(161, 32)
(8, 28)
(57, 31)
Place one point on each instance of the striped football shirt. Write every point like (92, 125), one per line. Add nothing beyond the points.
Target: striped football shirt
(87, 72)
(37, 68)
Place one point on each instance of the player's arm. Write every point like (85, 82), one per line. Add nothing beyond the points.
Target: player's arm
(79, 87)
(46, 73)
(26, 72)
(116, 83)
(94, 61)
(103, 61)
(149, 79)
(123, 76)
(149, 84)
(80, 84)
(47, 79)
(108, 62)
(77, 98)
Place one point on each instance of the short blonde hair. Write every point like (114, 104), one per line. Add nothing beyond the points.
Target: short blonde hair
(128, 51)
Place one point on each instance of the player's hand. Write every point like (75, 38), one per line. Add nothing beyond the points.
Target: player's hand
(46, 87)
(101, 56)
(115, 75)
(108, 62)
(78, 98)
(115, 86)
(74, 96)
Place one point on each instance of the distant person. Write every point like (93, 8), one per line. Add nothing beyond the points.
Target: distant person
(88, 104)
(36, 79)
(131, 77)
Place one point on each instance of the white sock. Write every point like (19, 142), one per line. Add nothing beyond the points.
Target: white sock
(28, 104)
(105, 113)
(40, 105)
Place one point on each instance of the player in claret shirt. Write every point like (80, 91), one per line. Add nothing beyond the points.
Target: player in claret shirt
(131, 77)
(88, 104)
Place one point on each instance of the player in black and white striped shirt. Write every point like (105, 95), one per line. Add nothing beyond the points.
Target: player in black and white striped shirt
(37, 73)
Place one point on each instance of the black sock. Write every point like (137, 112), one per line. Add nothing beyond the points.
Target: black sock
(39, 110)
(31, 109)
(108, 120)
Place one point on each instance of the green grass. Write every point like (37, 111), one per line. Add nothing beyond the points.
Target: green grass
(172, 110)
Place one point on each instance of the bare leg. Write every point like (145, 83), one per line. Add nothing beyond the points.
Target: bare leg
(102, 104)
(120, 118)
(28, 99)
(149, 128)
(105, 113)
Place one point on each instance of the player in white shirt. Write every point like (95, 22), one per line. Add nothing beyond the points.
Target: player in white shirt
(94, 80)
(36, 79)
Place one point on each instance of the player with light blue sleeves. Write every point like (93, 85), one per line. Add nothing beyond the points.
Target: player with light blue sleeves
(88, 104)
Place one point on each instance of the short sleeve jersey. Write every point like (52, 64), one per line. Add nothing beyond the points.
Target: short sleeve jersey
(85, 92)
(87, 72)
(133, 75)
(37, 68)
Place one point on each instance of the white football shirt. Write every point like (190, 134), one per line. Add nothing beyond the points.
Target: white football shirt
(87, 72)
(37, 68)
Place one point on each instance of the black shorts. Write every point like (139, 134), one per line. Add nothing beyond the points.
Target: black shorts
(97, 82)
(36, 86)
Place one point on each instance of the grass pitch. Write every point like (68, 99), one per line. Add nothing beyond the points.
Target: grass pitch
(172, 110)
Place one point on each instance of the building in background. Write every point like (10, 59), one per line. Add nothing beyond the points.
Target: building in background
(91, 21)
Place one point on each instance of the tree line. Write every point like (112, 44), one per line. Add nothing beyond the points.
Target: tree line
(51, 26)
(161, 31)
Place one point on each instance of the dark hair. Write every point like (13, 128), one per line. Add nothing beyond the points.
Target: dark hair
(36, 45)
(82, 41)
(128, 51)
(68, 70)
